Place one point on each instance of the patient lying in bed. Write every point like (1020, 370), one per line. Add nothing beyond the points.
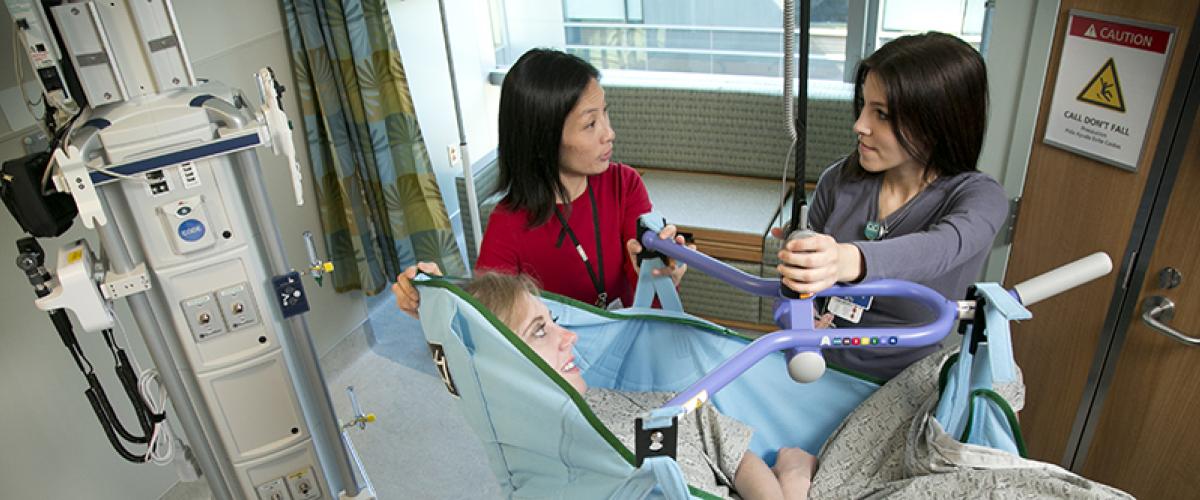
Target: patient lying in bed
(713, 448)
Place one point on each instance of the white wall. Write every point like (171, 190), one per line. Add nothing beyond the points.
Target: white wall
(534, 23)
(15, 115)
(8, 77)
(1022, 32)
(51, 444)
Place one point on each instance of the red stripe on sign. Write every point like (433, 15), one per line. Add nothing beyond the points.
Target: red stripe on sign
(1125, 35)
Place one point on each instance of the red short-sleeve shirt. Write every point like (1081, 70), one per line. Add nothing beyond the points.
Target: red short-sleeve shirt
(549, 256)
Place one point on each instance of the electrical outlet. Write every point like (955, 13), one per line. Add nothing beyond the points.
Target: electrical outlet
(455, 157)
(303, 485)
(237, 305)
(203, 315)
(274, 489)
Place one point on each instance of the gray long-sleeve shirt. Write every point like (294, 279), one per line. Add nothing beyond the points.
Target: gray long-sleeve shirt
(939, 239)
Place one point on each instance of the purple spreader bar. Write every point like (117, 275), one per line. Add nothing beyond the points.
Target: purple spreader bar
(798, 334)
(710, 266)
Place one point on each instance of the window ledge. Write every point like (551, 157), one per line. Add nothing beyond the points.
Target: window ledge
(830, 89)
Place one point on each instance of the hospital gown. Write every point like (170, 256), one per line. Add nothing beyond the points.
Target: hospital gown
(710, 445)
(892, 447)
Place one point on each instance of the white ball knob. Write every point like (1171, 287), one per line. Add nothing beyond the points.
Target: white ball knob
(806, 366)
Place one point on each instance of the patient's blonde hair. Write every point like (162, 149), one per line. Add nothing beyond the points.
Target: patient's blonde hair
(499, 292)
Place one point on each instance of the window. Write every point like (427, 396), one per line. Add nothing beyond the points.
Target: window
(699, 36)
(959, 17)
(499, 30)
(881, 21)
(721, 37)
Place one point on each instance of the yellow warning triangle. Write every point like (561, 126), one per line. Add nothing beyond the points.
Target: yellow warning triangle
(1104, 89)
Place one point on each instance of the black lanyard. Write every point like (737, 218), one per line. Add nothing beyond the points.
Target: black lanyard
(597, 279)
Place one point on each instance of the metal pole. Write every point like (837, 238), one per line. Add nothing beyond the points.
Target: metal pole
(160, 346)
(298, 347)
(801, 116)
(468, 174)
(985, 38)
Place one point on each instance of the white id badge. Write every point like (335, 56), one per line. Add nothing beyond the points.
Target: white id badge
(614, 305)
(849, 308)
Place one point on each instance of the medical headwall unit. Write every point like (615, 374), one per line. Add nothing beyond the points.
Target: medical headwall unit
(161, 165)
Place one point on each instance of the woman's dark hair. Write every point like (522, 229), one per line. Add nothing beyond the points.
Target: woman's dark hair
(538, 93)
(937, 99)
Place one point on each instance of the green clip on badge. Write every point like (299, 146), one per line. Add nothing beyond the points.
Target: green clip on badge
(873, 231)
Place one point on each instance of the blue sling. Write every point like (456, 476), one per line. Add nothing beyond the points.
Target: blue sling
(541, 437)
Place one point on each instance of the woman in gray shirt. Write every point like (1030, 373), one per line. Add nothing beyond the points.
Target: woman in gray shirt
(909, 203)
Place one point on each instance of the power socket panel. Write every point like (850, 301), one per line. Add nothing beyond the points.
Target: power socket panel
(203, 315)
(303, 485)
(454, 155)
(275, 489)
(237, 305)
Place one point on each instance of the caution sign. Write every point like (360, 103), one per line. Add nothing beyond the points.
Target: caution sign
(1107, 87)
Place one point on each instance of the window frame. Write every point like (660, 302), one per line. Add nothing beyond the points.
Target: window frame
(862, 34)
(624, 7)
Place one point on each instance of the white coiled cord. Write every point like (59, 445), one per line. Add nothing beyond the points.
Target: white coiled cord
(162, 443)
(161, 449)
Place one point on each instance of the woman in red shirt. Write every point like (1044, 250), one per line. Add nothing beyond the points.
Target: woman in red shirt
(568, 207)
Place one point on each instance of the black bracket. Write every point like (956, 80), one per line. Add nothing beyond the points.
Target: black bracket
(655, 442)
(646, 252)
(289, 292)
(979, 323)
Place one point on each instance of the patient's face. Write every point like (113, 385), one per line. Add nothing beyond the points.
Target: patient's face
(532, 322)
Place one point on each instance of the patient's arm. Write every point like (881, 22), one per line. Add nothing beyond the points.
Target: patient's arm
(755, 481)
(794, 467)
(789, 480)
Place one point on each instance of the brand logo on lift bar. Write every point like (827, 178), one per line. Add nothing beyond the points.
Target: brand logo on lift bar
(191, 230)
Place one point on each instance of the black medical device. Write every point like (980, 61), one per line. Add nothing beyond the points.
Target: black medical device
(41, 214)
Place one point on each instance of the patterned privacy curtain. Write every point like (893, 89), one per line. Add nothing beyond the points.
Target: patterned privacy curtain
(379, 200)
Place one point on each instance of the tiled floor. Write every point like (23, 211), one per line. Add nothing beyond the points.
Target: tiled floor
(419, 447)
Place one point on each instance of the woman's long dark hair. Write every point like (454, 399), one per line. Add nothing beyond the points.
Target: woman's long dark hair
(937, 99)
(538, 93)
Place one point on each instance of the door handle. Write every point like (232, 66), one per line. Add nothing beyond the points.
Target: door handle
(1156, 310)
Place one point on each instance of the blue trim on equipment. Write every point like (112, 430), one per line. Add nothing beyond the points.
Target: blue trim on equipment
(211, 149)
(97, 123)
(199, 100)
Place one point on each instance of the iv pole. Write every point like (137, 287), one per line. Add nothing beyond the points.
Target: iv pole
(468, 174)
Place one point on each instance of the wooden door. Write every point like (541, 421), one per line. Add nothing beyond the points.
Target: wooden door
(1147, 434)
(1072, 206)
